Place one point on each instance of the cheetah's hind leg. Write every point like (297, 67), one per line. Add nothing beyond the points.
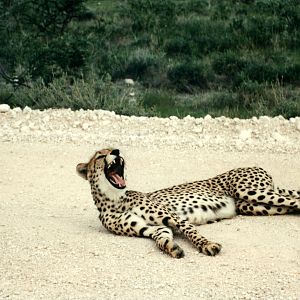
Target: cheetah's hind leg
(288, 199)
(253, 209)
(294, 195)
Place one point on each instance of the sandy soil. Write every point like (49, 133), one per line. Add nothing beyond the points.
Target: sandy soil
(52, 245)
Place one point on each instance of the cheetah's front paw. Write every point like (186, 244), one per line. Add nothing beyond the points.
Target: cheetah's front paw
(211, 249)
(176, 251)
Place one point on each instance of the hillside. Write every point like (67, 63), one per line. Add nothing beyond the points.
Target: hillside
(193, 57)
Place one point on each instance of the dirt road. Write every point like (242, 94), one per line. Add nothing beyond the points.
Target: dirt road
(52, 245)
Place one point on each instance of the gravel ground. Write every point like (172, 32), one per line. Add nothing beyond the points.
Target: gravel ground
(52, 245)
(277, 135)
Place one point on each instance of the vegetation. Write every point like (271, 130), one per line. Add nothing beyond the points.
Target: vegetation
(236, 58)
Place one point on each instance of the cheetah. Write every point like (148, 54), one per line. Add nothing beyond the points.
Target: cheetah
(158, 214)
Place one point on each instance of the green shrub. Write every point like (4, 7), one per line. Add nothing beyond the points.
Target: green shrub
(228, 63)
(53, 59)
(265, 68)
(189, 75)
(289, 108)
(111, 61)
(291, 73)
(160, 100)
(146, 67)
(140, 62)
(6, 93)
(73, 93)
(150, 15)
(204, 35)
(261, 71)
(178, 46)
(200, 7)
(224, 101)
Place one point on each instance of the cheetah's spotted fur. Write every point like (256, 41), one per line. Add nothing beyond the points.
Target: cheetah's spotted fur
(244, 191)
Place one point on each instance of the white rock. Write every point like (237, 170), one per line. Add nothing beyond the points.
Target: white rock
(85, 126)
(198, 121)
(208, 117)
(93, 117)
(129, 81)
(105, 123)
(245, 134)
(32, 126)
(76, 123)
(173, 118)
(4, 108)
(265, 118)
(132, 94)
(198, 129)
(27, 109)
(17, 124)
(17, 109)
(278, 137)
(188, 118)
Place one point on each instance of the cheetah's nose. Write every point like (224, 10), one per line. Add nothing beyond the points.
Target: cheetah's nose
(115, 152)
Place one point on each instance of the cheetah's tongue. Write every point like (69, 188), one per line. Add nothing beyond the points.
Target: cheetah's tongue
(118, 180)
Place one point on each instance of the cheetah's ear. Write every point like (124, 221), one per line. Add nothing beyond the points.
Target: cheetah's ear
(82, 170)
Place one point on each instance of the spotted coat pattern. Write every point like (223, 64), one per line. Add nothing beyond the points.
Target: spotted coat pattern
(157, 214)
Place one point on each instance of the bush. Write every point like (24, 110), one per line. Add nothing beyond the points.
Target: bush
(289, 108)
(187, 76)
(205, 36)
(291, 73)
(225, 101)
(265, 68)
(150, 15)
(160, 100)
(111, 61)
(178, 46)
(228, 63)
(146, 67)
(73, 93)
(141, 62)
(58, 56)
(200, 7)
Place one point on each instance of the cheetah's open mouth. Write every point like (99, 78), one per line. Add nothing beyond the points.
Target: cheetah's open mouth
(114, 173)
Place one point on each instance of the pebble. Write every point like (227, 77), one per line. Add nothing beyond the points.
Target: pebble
(245, 134)
(4, 108)
(198, 129)
(129, 81)
(208, 117)
(85, 126)
(277, 137)
(17, 109)
(27, 109)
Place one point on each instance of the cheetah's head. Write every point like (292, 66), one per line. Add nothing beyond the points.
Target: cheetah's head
(105, 169)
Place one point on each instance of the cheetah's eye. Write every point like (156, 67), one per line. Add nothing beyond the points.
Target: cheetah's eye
(100, 156)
